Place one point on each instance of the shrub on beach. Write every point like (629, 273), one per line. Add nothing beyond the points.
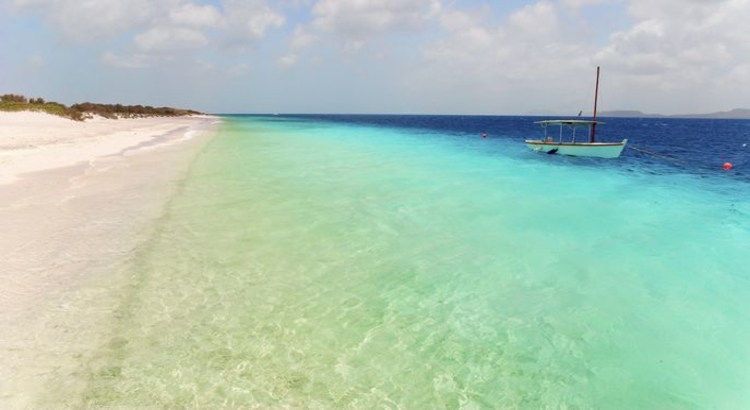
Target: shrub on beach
(13, 98)
(84, 111)
(13, 102)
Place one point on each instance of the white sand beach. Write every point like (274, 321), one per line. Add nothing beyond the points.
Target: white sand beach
(76, 200)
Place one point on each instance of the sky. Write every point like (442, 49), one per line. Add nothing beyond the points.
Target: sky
(381, 56)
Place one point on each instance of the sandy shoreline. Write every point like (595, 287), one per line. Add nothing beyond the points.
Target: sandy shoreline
(76, 200)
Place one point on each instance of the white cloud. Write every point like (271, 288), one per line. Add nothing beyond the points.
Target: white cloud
(681, 40)
(738, 77)
(361, 18)
(239, 69)
(468, 41)
(288, 60)
(537, 24)
(246, 21)
(529, 42)
(577, 4)
(240, 22)
(672, 47)
(516, 64)
(302, 38)
(90, 20)
(355, 23)
(169, 39)
(131, 61)
(195, 15)
(676, 47)
(352, 26)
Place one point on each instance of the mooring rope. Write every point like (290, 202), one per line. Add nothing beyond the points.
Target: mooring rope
(656, 154)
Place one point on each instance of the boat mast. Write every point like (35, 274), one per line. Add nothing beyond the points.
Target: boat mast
(596, 97)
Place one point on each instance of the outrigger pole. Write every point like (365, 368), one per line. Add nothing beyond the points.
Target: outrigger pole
(596, 97)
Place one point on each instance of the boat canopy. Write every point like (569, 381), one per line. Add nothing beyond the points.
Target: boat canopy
(568, 122)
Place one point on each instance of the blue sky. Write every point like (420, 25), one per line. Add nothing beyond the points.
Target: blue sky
(381, 56)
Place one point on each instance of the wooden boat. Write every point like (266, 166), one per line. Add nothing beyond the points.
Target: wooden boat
(568, 145)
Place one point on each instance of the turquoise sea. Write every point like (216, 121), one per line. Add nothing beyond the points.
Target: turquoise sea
(366, 262)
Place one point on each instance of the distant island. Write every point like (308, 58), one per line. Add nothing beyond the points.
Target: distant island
(737, 113)
(87, 110)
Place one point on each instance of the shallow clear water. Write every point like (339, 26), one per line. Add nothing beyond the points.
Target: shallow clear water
(402, 262)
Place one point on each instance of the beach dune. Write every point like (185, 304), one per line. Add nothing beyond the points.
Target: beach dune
(76, 200)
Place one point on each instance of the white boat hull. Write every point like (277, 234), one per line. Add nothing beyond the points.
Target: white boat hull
(579, 149)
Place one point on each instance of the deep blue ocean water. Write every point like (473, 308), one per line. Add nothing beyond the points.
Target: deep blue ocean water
(318, 261)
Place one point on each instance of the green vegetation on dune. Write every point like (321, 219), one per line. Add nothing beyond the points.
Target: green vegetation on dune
(83, 111)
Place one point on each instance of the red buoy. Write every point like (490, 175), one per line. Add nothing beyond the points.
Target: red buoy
(727, 166)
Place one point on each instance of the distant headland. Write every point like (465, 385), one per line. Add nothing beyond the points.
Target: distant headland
(737, 113)
(87, 110)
